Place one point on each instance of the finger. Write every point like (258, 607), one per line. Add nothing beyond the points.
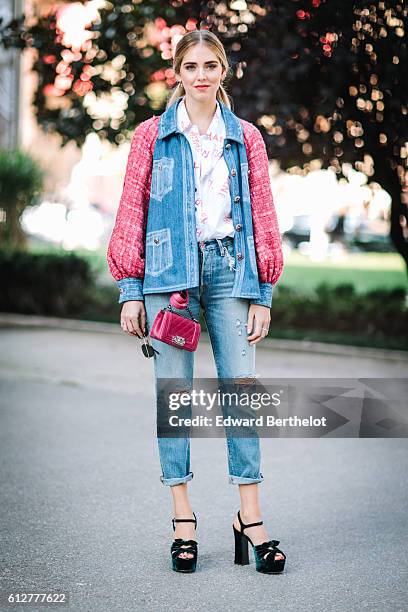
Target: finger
(250, 321)
(130, 327)
(256, 332)
(265, 329)
(125, 326)
(134, 322)
(264, 333)
(257, 339)
(143, 321)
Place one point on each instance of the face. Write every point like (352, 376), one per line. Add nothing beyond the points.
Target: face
(200, 66)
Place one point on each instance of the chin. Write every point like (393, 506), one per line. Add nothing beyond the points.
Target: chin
(200, 94)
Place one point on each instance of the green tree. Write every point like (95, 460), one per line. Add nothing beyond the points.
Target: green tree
(21, 181)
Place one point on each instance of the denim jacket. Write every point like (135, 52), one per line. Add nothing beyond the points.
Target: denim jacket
(153, 246)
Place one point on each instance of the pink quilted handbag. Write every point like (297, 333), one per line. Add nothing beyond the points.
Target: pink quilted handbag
(174, 329)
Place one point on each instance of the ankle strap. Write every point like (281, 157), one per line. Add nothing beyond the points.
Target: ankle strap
(175, 520)
(243, 526)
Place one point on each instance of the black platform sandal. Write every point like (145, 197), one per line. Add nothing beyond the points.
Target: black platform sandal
(180, 564)
(264, 553)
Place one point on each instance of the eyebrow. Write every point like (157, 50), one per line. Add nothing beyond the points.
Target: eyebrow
(209, 62)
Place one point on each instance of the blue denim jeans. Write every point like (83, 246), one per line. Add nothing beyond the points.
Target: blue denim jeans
(225, 318)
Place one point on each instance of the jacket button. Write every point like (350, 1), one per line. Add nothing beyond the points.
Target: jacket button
(237, 199)
(156, 241)
(228, 146)
(233, 172)
(238, 227)
(240, 256)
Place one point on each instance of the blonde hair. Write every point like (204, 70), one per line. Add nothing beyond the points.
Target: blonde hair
(188, 41)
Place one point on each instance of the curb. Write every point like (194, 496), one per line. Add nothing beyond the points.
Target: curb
(306, 346)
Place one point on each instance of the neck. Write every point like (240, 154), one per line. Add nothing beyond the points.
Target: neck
(200, 111)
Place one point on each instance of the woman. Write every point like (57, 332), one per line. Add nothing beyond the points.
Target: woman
(197, 213)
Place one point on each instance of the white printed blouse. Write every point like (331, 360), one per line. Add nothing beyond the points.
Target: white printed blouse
(211, 176)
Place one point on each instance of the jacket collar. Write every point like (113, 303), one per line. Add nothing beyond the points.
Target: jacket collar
(168, 122)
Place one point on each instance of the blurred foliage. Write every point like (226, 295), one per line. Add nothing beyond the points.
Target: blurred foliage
(56, 285)
(365, 271)
(330, 82)
(64, 286)
(323, 79)
(342, 309)
(21, 181)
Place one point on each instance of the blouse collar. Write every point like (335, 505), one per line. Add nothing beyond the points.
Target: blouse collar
(185, 124)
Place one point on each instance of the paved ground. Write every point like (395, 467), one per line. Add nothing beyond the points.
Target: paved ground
(83, 509)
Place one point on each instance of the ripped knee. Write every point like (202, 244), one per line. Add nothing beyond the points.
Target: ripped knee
(245, 380)
(181, 390)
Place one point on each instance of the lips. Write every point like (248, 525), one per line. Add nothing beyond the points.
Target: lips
(201, 86)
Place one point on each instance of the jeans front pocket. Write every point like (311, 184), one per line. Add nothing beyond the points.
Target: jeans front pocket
(159, 254)
(252, 254)
(162, 177)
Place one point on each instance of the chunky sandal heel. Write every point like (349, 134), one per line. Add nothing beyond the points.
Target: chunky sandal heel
(241, 548)
(179, 546)
(264, 553)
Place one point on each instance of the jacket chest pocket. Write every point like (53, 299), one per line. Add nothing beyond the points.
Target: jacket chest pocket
(159, 254)
(162, 177)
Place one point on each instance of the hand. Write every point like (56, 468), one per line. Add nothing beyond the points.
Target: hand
(259, 318)
(133, 318)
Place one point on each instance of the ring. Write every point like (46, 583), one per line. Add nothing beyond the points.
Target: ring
(265, 329)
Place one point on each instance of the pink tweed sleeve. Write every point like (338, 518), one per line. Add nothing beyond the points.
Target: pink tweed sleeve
(267, 236)
(125, 254)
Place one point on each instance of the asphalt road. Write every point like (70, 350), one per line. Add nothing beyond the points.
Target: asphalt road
(83, 510)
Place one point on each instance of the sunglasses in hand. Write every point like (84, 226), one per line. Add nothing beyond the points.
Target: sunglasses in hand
(147, 349)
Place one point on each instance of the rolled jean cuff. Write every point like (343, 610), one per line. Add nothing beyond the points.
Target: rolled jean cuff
(175, 481)
(241, 480)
